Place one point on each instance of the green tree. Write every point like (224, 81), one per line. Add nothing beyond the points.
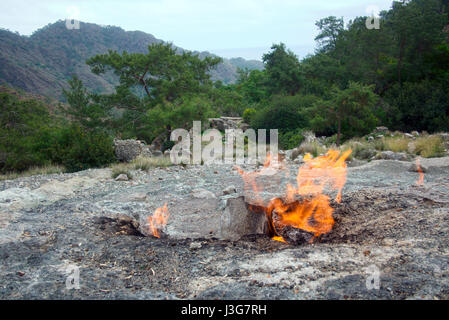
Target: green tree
(330, 29)
(82, 106)
(351, 110)
(283, 70)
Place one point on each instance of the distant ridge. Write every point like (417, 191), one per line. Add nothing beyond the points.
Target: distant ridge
(42, 63)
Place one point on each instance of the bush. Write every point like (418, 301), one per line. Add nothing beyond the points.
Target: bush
(248, 114)
(396, 144)
(77, 149)
(429, 146)
(286, 113)
(290, 139)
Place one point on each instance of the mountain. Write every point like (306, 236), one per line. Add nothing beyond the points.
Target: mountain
(43, 62)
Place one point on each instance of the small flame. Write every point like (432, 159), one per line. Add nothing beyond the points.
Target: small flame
(421, 173)
(313, 213)
(158, 220)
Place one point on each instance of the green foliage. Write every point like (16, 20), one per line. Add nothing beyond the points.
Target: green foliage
(350, 110)
(21, 122)
(77, 149)
(82, 107)
(330, 29)
(30, 136)
(290, 139)
(418, 106)
(285, 113)
(282, 70)
(163, 74)
(248, 114)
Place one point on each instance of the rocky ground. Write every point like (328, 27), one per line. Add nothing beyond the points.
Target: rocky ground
(386, 223)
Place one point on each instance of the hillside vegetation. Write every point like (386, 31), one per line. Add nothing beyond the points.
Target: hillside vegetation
(43, 62)
(359, 78)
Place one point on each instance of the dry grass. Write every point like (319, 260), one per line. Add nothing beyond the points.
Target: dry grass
(314, 148)
(427, 146)
(396, 144)
(34, 171)
(140, 163)
(430, 146)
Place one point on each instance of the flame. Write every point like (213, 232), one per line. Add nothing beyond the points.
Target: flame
(421, 173)
(313, 212)
(158, 220)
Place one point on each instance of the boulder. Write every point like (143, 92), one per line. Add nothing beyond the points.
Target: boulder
(365, 154)
(381, 130)
(122, 177)
(390, 155)
(414, 168)
(229, 190)
(128, 150)
(237, 221)
(224, 123)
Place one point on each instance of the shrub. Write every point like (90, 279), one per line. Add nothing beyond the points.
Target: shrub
(118, 170)
(429, 146)
(248, 114)
(396, 144)
(286, 113)
(290, 139)
(77, 148)
(313, 147)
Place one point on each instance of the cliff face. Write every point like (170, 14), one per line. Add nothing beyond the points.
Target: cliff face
(42, 62)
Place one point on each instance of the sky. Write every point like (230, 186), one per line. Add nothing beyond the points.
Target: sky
(229, 28)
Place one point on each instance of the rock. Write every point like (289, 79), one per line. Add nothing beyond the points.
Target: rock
(138, 197)
(370, 138)
(244, 126)
(203, 194)
(380, 136)
(415, 133)
(444, 136)
(390, 155)
(295, 154)
(157, 153)
(167, 153)
(299, 160)
(195, 245)
(309, 136)
(408, 135)
(156, 144)
(381, 130)
(128, 150)
(229, 190)
(224, 123)
(356, 163)
(414, 168)
(366, 154)
(122, 177)
(237, 221)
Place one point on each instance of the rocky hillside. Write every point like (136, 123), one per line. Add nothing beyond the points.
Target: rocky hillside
(42, 62)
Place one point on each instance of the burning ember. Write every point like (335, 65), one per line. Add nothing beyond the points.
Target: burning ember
(158, 220)
(305, 206)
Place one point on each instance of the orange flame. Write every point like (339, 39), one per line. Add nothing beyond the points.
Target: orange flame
(158, 220)
(421, 173)
(313, 213)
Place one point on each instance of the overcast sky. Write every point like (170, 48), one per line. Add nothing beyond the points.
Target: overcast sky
(229, 28)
